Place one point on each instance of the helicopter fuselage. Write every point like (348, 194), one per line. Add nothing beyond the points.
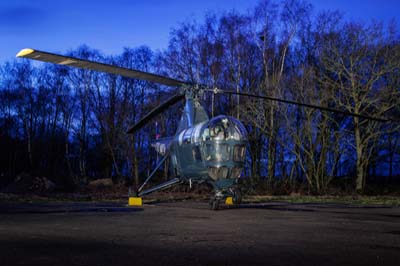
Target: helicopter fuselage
(211, 151)
(207, 150)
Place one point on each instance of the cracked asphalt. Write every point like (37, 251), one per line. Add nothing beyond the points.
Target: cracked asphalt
(188, 233)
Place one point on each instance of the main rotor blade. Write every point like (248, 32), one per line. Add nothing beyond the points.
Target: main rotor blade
(86, 64)
(324, 108)
(159, 109)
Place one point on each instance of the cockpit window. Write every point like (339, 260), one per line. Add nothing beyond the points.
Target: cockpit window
(218, 132)
(217, 152)
(224, 128)
(196, 153)
(239, 153)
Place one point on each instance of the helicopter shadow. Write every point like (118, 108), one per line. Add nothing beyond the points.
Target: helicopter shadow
(63, 208)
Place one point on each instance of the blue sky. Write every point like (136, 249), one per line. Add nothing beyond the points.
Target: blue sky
(58, 26)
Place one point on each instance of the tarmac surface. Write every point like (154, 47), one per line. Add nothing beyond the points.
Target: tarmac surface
(188, 233)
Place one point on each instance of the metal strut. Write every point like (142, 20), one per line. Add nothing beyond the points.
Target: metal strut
(153, 172)
(160, 186)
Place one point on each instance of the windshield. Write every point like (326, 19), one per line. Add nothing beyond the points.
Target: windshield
(224, 128)
(216, 152)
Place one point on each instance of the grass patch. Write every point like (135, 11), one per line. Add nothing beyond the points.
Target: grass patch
(387, 201)
(391, 201)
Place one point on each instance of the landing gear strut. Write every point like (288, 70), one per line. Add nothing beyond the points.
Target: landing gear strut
(214, 203)
(233, 192)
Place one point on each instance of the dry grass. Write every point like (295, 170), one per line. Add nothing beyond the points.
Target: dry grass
(353, 200)
(120, 195)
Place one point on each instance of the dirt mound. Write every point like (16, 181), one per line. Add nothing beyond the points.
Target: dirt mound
(25, 183)
(103, 182)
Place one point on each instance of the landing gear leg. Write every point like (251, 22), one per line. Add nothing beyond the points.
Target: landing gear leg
(214, 204)
(216, 200)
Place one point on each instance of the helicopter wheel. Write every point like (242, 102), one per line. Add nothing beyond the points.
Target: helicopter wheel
(214, 204)
(236, 195)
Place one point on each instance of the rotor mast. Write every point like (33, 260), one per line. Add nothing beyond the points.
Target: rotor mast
(193, 112)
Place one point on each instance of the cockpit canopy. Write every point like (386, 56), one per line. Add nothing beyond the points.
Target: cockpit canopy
(220, 144)
(224, 128)
(225, 146)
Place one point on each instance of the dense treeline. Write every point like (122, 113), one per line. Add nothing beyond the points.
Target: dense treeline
(70, 124)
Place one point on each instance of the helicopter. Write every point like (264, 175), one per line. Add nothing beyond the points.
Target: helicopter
(203, 149)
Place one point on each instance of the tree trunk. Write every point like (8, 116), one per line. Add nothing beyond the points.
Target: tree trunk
(271, 147)
(391, 155)
(359, 164)
(29, 146)
(135, 170)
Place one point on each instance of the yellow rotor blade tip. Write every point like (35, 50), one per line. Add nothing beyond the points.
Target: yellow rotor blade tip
(25, 52)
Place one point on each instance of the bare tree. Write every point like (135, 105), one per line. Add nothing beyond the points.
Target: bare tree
(82, 82)
(357, 64)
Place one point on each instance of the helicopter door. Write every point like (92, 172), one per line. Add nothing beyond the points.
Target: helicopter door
(185, 148)
(175, 166)
(196, 153)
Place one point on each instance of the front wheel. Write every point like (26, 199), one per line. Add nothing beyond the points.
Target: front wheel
(237, 196)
